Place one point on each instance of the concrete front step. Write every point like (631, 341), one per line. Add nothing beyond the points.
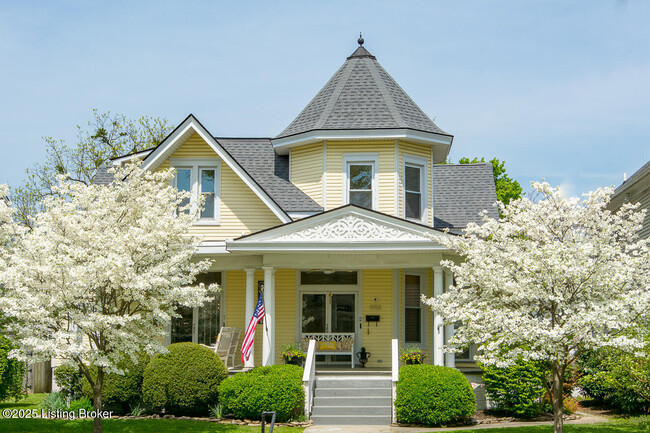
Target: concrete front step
(352, 399)
(356, 400)
(351, 410)
(353, 392)
(351, 420)
(356, 382)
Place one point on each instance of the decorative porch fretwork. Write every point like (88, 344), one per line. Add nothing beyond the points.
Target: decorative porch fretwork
(352, 228)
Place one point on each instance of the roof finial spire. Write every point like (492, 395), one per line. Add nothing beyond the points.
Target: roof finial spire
(360, 40)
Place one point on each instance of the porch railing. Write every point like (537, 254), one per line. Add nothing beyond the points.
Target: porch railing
(394, 376)
(309, 377)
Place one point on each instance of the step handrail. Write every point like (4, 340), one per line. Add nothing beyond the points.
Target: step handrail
(309, 377)
(394, 377)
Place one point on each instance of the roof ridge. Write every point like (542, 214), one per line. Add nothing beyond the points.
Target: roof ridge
(385, 93)
(335, 95)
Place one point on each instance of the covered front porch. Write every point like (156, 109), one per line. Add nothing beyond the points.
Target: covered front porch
(351, 272)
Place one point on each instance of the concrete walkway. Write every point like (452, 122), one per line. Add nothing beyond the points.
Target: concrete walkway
(586, 419)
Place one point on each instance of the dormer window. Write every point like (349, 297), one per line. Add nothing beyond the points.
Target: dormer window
(201, 178)
(361, 180)
(414, 187)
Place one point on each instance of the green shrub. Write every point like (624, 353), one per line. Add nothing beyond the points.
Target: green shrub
(618, 379)
(276, 388)
(517, 390)
(12, 372)
(81, 403)
(183, 381)
(432, 395)
(120, 392)
(54, 401)
(68, 378)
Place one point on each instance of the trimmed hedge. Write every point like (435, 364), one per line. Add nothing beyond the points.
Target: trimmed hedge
(183, 381)
(12, 372)
(517, 390)
(275, 388)
(120, 392)
(69, 380)
(433, 395)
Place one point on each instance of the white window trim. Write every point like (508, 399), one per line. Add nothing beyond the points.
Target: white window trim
(361, 158)
(421, 163)
(423, 312)
(196, 164)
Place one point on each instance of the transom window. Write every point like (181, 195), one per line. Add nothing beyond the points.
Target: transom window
(361, 183)
(201, 178)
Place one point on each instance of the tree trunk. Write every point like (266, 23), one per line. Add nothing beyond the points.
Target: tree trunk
(97, 400)
(558, 397)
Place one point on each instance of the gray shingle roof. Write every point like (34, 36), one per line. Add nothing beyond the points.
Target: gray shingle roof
(461, 192)
(103, 177)
(632, 179)
(270, 171)
(361, 95)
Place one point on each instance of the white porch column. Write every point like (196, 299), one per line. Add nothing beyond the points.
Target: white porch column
(251, 301)
(268, 342)
(450, 358)
(438, 338)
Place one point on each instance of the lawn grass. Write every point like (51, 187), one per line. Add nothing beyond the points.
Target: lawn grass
(31, 402)
(117, 425)
(631, 425)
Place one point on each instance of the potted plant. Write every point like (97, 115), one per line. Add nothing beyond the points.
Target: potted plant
(363, 356)
(413, 355)
(293, 354)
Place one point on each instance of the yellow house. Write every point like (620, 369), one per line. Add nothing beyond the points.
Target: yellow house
(334, 218)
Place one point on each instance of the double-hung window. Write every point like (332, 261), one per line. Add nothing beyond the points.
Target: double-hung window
(414, 188)
(413, 314)
(361, 180)
(183, 182)
(200, 177)
(207, 190)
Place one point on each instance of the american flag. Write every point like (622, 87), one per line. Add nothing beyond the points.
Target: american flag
(249, 337)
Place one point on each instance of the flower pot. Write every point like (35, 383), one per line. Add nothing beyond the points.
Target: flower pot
(294, 361)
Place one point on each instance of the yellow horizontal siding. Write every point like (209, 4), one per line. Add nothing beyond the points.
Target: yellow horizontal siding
(241, 210)
(285, 310)
(421, 151)
(194, 147)
(307, 170)
(377, 337)
(235, 315)
(335, 172)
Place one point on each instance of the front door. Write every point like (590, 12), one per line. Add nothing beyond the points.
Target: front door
(329, 312)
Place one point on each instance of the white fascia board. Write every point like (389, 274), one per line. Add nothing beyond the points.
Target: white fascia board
(212, 248)
(184, 131)
(282, 145)
(138, 155)
(301, 215)
(350, 247)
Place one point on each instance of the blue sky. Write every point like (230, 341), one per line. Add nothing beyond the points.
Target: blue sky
(557, 89)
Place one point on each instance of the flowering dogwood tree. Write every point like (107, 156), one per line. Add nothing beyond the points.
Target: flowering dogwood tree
(99, 276)
(548, 280)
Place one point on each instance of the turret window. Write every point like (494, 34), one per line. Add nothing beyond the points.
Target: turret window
(414, 183)
(361, 184)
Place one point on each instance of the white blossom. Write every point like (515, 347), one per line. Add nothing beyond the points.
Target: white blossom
(548, 280)
(100, 275)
